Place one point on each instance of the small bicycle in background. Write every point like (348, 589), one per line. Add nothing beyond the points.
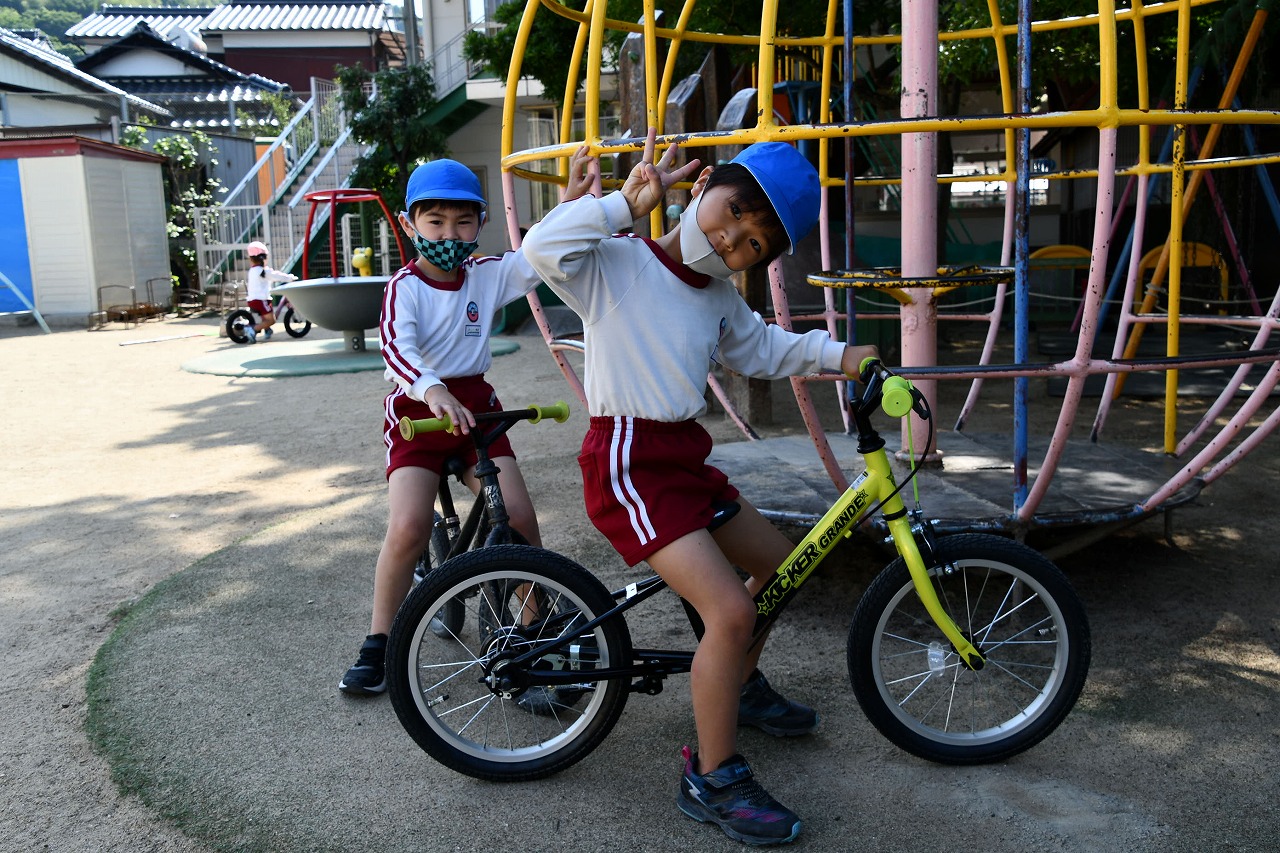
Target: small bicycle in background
(295, 324)
(966, 649)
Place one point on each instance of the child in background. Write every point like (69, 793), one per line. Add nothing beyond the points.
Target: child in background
(656, 314)
(437, 315)
(259, 291)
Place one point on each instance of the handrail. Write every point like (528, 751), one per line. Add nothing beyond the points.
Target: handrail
(251, 177)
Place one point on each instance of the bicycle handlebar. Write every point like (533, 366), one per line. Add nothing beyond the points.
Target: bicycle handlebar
(558, 411)
(897, 395)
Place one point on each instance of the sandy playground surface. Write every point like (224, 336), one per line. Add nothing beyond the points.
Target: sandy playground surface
(218, 535)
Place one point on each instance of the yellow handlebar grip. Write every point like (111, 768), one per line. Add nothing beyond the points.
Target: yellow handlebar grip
(896, 400)
(558, 412)
(409, 427)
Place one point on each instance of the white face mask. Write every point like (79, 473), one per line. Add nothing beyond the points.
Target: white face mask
(696, 249)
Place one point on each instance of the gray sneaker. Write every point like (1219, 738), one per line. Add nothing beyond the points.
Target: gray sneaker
(761, 706)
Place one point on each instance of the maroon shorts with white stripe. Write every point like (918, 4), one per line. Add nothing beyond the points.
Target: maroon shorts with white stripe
(430, 450)
(646, 483)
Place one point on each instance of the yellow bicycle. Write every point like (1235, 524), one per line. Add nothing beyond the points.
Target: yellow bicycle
(966, 649)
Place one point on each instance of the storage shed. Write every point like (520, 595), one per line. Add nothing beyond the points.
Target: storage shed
(77, 215)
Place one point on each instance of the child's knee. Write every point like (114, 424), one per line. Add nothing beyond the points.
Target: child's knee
(409, 531)
(735, 616)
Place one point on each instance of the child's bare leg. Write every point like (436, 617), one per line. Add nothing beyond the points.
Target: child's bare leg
(751, 542)
(694, 567)
(411, 503)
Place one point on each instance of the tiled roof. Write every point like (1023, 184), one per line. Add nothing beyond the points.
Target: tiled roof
(117, 21)
(144, 37)
(55, 63)
(350, 15)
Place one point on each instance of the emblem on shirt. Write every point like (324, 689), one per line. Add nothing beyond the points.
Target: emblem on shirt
(473, 316)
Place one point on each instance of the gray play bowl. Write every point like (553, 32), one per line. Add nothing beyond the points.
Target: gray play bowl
(348, 304)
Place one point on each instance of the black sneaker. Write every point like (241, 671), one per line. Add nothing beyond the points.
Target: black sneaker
(761, 706)
(369, 675)
(731, 798)
(544, 701)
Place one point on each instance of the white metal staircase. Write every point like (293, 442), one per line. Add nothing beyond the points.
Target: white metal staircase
(314, 151)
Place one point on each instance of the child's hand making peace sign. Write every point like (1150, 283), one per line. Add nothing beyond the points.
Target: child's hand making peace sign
(648, 182)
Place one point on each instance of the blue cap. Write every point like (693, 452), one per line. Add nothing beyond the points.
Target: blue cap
(790, 182)
(443, 179)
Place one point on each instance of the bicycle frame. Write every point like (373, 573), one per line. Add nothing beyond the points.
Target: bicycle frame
(488, 501)
(874, 489)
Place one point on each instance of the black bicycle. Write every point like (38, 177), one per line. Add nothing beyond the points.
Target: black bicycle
(240, 319)
(487, 523)
(966, 649)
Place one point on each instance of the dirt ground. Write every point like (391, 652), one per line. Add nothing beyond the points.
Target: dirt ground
(209, 542)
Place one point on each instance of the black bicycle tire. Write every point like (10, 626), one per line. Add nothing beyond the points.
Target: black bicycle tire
(292, 326)
(877, 644)
(434, 556)
(511, 566)
(235, 323)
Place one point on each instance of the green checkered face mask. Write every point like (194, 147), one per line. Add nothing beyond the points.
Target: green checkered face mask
(448, 255)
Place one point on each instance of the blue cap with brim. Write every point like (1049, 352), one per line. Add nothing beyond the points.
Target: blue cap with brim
(443, 179)
(790, 182)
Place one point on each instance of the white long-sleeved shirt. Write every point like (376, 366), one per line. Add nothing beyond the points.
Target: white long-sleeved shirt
(433, 330)
(653, 326)
(259, 281)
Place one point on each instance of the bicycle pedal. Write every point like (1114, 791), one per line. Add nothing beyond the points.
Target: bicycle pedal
(648, 685)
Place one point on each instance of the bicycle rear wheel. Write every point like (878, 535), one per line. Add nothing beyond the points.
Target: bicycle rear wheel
(1009, 601)
(460, 696)
(236, 324)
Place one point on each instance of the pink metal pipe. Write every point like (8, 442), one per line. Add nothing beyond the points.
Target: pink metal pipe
(804, 401)
(1125, 316)
(1228, 393)
(1078, 368)
(1221, 441)
(920, 199)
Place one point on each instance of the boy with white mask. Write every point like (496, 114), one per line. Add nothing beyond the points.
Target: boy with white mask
(656, 314)
(437, 316)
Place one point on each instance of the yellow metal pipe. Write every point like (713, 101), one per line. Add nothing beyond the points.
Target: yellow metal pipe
(1180, 206)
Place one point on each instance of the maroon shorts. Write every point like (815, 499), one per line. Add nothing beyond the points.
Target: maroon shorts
(430, 450)
(646, 483)
(261, 306)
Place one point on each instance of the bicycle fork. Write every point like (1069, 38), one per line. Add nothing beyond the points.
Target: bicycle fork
(904, 540)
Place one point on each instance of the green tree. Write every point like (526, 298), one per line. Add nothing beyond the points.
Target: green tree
(186, 187)
(544, 56)
(395, 122)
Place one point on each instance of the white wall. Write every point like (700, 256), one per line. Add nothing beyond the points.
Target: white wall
(55, 199)
(479, 146)
(92, 221)
(143, 63)
(126, 201)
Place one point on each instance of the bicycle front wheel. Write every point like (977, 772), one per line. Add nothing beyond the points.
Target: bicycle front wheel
(463, 699)
(1022, 614)
(295, 324)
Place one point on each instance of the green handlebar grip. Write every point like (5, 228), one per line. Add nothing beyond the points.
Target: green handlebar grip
(558, 412)
(896, 399)
(409, 427)
(866, 362)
